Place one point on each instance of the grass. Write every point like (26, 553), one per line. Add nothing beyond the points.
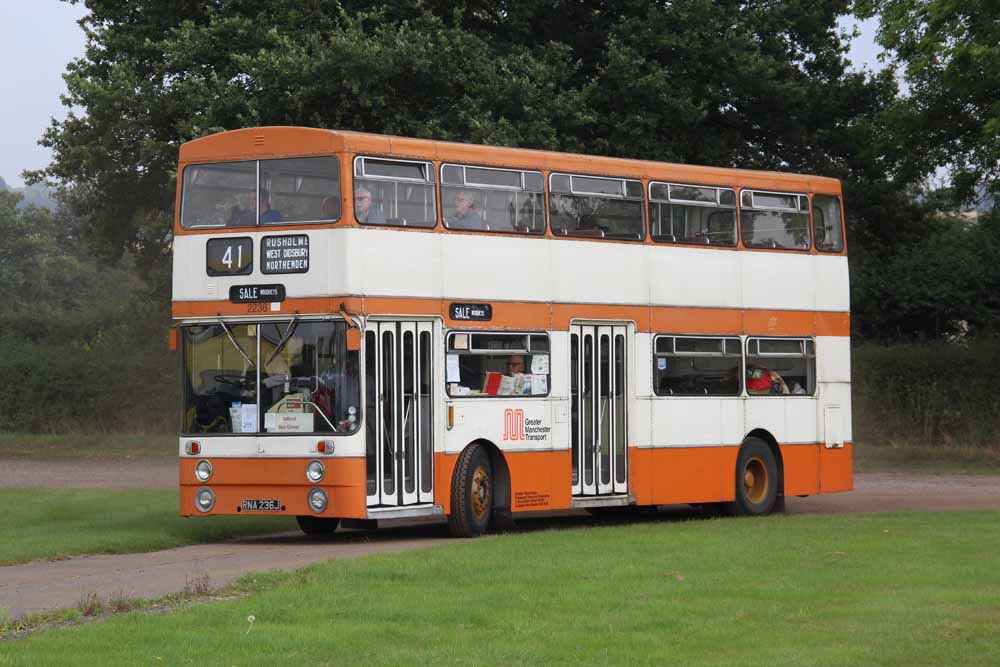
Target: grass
(906, 589)
(89, 446)
(899, 456)
(56, 523)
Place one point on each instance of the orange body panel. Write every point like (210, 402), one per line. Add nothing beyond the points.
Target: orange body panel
(675, 475)
(801, 463)
(541, 316)
(444, 468)
(540, 480)
(837, 469)
(234, 479)
(701, 320)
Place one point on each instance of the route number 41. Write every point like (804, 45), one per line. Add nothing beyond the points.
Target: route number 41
(229, 257)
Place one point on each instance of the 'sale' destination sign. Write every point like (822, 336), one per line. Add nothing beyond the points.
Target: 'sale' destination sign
(481, 312)
(256, 293)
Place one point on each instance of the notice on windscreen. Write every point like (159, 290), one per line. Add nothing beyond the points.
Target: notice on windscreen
(284, 254)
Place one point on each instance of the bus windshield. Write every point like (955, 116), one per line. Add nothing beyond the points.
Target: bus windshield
(275, 377)
(261, 192)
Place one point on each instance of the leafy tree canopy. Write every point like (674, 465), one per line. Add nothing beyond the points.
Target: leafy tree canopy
(950, 54)
(757, 84)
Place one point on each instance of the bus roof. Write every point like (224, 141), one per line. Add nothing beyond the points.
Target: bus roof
(285, 141)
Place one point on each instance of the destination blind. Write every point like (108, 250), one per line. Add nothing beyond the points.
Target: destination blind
(285, 254)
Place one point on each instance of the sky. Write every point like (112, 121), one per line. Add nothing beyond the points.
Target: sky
(42, 36)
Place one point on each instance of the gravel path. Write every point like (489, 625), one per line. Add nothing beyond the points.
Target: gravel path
(59, 584)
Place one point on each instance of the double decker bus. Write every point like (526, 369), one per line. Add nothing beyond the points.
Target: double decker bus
(375, 327)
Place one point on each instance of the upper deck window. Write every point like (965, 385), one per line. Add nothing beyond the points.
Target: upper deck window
(826, 223)
(596, 207)
(774, 220)
(692, 214)
(394, 192)
(261, 192)
(492, 199)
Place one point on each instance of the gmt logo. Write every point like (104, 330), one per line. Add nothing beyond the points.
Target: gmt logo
(518, 429)
(513, 425)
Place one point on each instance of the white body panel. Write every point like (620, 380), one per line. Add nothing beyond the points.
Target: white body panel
(386, 262)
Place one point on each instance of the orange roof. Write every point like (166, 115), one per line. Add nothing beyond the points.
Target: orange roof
(272, 142)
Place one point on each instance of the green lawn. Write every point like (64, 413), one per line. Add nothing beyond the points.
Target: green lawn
(889, 589)
(911, 458)
(89, 446)
(55, 523)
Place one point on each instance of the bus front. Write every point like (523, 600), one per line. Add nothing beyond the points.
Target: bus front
(271, 414)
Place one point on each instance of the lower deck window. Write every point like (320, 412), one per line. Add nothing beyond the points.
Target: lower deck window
(497, 364)
(781, 366)
(696, 366)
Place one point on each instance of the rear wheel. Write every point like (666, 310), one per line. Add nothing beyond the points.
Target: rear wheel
(756, 479)
(471, 493)
(315, 525)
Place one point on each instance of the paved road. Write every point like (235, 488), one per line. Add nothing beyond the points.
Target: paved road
(59, 584)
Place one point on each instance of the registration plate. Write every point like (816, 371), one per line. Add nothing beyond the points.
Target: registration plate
(260, 505)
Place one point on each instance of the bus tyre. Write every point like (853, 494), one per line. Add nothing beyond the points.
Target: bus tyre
(317, 526)
(471, 493)
(756, 479)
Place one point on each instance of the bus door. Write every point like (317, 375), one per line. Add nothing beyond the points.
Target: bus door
(599, 408)
(399, 420)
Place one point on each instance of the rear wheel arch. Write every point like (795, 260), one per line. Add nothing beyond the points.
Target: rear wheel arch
(770, 441)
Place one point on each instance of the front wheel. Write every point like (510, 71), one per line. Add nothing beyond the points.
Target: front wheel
(756, 479)
(471, 493)
(316, 526)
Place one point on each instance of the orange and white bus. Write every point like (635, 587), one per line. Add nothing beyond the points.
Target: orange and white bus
(377, 327)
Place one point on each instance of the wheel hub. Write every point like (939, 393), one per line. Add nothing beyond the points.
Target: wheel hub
(480, 492)
(755, 480)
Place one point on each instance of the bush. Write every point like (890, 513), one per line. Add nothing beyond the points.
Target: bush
(928, 394)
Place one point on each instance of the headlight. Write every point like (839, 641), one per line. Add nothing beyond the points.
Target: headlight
(315, 471)
(203, 471)
(317, 500)
(204, 498)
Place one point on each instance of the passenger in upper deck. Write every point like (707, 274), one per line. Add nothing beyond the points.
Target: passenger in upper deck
(466, 214)
(363, 210)
(268, 214)
(243, 213)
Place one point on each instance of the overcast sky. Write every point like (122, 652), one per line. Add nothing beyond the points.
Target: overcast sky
(42, 36)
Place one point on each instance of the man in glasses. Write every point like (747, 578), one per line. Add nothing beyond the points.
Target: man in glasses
(363, 209)
(466, 214)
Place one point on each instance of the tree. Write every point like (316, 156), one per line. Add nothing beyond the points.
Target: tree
(729, 83)
(950, 54)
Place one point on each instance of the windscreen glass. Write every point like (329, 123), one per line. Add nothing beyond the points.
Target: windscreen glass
(304, 379)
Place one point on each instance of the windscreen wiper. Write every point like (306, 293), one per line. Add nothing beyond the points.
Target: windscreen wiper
(235, 344)
(284, 339)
